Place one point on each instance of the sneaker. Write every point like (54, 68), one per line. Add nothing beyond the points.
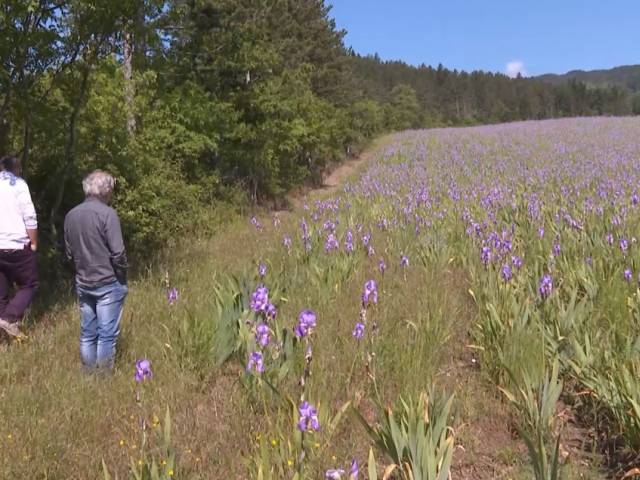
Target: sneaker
(12, 329)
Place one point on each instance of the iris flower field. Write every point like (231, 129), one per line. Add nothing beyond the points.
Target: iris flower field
(465, 306)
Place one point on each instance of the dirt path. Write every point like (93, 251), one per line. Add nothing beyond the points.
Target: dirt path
(338, 176)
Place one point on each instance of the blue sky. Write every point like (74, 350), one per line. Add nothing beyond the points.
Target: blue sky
(534, 36)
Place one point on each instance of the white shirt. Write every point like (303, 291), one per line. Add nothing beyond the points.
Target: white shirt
(17, 213)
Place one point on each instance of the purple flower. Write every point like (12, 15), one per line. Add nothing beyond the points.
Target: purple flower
(404, 260)
(370, 251)
(331, 243)
(624, 245)
(516, 261)
(334, 473)
(541, 232)
(143, 370)
(366, 239)
(609, 238)
(263, 335)
(172, 296)
(546, 286)
(358, 331)
(348, 241)
(382, 266)
(271, 311)
(256, 223)
(286, 241)
(353, 470)
(308, 418)
(262, 270)
(628, 274)
(556, 249)
(306, 323)
(485, 255)
(256, 362)
(589, 261)
(370, 293)
(506, 272)
(260, 299)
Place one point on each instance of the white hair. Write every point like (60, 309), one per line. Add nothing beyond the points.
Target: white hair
(98, 184)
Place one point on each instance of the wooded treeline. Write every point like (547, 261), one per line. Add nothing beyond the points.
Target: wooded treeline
(191, 103)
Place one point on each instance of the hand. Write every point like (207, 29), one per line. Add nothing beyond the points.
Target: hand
(34, 247)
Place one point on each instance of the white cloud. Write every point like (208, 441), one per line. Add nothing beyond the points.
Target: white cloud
(514, 68)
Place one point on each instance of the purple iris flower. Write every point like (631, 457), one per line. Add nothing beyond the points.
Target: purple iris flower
(334, 473)
(382, 266)
(404, 260)
(370, 293)
(331, 243)
(506, 272)
(366, 239)
(172, 296)
(143, 370)
(485, 255)
(353, 470)
(260, 299)
(358, 331)
(516, 261)
(256, 223)
(348, 242)
(370, 251)
(609, 238)
(556, 249)
(308, 418)
(263, 335)
(624, 245)
(546, 286)
(256, 362)
(541, 232)
(306, 323)
(262, 270)
(271, 311)
(628, 274)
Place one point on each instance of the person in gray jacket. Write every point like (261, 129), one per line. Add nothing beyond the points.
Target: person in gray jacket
(93, 240)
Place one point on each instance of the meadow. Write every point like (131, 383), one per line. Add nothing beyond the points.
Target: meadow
(466, 305)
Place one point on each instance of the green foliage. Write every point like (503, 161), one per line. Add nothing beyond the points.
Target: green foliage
(283, 451)
(157, 466)
(417, 438)
(536, 404)
(403, 111)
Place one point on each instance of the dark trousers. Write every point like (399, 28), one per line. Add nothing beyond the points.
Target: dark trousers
(17, 267)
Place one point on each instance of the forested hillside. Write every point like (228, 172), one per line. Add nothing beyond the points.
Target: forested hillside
(627, 76)
(196, 103)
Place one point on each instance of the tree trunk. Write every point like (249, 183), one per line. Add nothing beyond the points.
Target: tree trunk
(129, 87)
(69, 153)
(5, 123)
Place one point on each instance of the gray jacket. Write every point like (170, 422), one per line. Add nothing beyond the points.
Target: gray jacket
(93, 240)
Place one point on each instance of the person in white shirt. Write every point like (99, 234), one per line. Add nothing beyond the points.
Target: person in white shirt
(18, 245)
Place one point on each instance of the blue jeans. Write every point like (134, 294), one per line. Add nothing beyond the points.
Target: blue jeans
(100, 314)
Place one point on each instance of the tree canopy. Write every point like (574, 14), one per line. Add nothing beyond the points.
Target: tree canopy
(195, 102)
